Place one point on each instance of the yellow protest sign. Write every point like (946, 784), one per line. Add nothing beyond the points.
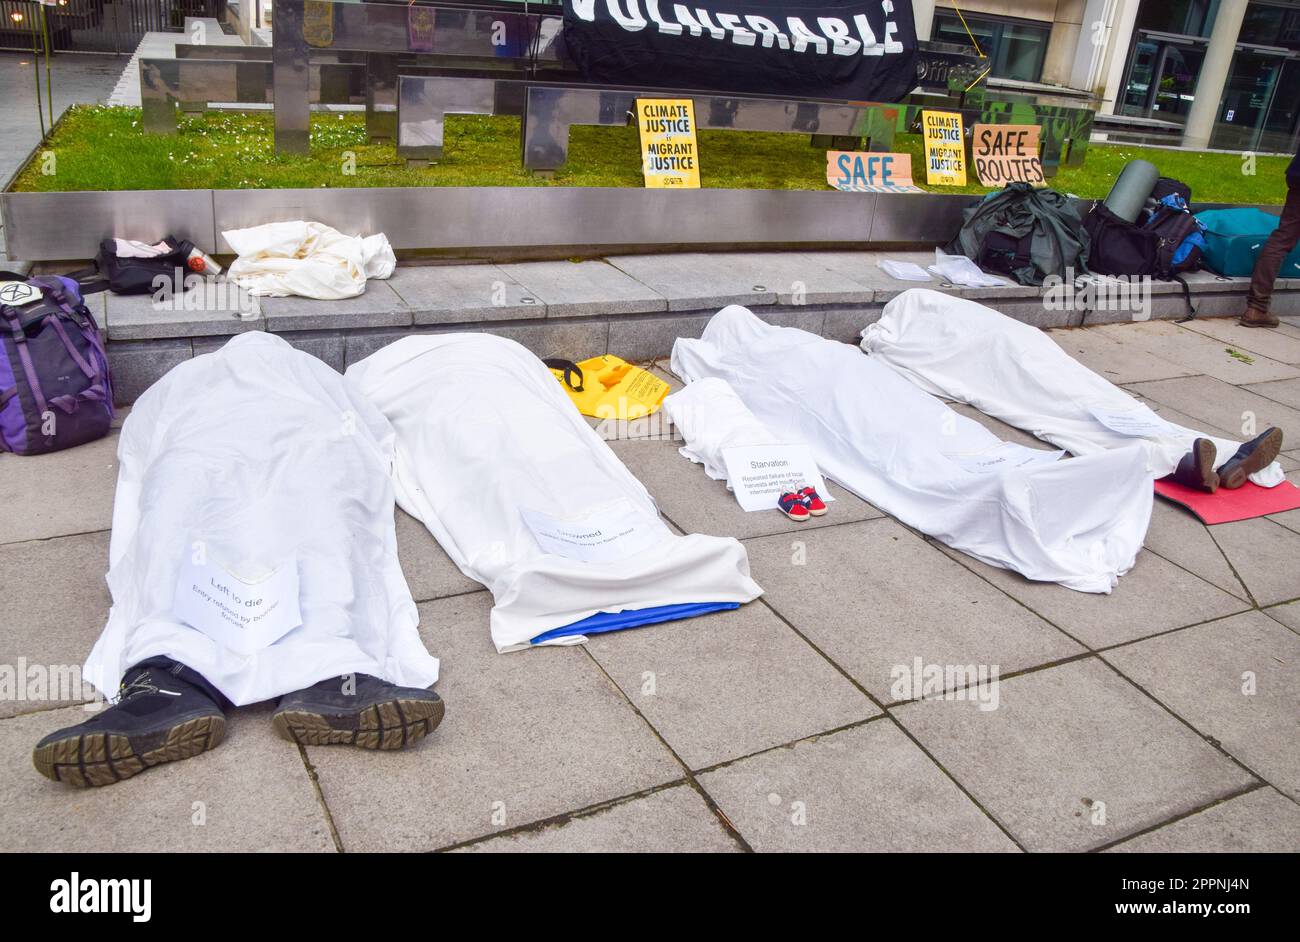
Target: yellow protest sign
(1006, 153)
(670, 155)
(870, 172)
(945, 148)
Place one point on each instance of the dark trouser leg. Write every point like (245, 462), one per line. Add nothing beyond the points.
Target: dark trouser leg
(1269, 263)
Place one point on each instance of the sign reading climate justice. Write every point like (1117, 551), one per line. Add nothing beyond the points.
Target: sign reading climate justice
(1006, 153)
(670, 155)
(945, 148)
(866, 172)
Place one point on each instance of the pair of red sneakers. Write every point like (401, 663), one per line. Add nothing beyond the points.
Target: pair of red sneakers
(800, 505)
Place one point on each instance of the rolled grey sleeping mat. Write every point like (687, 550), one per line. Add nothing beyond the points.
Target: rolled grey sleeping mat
(1131, 188)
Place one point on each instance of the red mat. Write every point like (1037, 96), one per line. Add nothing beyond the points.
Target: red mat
(1225, 506)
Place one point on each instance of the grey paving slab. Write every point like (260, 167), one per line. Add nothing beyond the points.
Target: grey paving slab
(52, 615)
(1177, 535)
(137, 365)
(1273, 344)
(527, 736)
(1259, 822)
(1112, 357)
(457, 294)
(251, 793)
(1236, 681)
(572, 289)
(378, 306)
(846, 324)
(1154, 596)
(693, 281)
(573, 340)
(1257, 548)
(1064, 739)
(1225, 406)
(698, 504)
(672, 821)
(864, 267)
(1285, 391)
(429, 571)
(729, 684)
(214, 308)
(66, 492)
(1196, 352)
(876, 598)
(868, 789)
(1288, 614)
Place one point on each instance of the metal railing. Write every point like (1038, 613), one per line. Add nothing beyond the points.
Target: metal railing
(97, 25)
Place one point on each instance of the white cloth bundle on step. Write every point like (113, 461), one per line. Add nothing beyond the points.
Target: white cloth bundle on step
(307, 259)
(1079, 522)
(712, 418)
(494, 458)
(962, 350)
(253, 458)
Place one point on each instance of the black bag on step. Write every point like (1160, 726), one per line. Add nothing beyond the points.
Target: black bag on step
(127, 275)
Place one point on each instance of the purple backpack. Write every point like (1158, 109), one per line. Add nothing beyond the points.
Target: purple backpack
(54, 386)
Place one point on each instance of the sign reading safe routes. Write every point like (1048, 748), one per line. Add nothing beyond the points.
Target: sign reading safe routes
(670, 154)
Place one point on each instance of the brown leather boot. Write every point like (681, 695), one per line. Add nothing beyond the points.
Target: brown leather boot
(1256, 318)
(1197, 467)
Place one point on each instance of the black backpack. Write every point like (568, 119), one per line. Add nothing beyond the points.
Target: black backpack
(133, 275)
(1164, 243)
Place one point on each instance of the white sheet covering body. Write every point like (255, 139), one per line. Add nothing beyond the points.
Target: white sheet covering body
(484, 433)
(962, 350)
(256, 454)
(308, 259)
(1079, 522)
(712, 418)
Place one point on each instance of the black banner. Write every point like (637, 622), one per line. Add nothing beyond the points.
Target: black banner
(861, 50)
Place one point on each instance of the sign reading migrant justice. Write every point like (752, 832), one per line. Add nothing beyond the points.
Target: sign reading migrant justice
(863, 50)
(945, 148)
(865, 172)
(1006, 153)
(670, 156)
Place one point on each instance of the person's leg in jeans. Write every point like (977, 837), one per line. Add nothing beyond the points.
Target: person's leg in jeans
(1269, 263)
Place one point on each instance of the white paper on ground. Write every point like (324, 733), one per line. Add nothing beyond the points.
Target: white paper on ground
(1138, 422)
(760, 474)
(903, 271)
(244, 616)
(1003, 456)
(960, 270)
(607, 535)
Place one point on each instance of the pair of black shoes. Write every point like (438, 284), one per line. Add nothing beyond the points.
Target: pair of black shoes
(165, 711)
(1197, 467)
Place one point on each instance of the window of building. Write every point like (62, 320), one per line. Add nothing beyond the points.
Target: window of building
(1015, 47)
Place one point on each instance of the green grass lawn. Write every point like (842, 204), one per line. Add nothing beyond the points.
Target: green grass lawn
(102, 148)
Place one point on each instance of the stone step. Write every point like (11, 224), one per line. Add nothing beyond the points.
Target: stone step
(632, 306)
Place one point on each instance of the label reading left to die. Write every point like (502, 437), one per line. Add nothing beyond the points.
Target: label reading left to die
(243, 616)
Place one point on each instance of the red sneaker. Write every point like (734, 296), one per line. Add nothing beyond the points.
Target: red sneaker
(792, 506)
(816, 506)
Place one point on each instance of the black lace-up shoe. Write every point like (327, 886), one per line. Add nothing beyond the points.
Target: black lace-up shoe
(1197, 467)
(1256, 455)
(163, 712)
(358, 710)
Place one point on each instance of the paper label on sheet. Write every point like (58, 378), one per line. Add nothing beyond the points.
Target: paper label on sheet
(244, 616)
(1140, 422)
(607, 535)
(760, 474)
(1003, 457)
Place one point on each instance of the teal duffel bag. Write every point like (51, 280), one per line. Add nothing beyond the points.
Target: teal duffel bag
(1234, 238)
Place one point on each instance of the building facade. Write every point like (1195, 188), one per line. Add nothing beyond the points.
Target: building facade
(1226, 71)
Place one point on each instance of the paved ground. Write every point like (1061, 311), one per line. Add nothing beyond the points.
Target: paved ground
(78, 79)
(1161, 717)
